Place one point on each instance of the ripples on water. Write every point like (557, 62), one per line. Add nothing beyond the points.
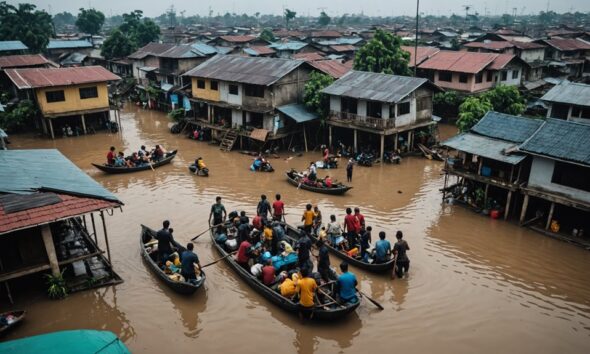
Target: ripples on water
(475, 284)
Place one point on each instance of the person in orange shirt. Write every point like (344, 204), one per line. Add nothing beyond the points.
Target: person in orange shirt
(307, 218)
(306, 288)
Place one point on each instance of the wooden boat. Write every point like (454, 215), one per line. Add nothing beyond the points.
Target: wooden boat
(18, 315)
(320, 313)
(375, 268)
(112, 169)
(76, 341)
(180, 287)
(337, 189)
(429, 154)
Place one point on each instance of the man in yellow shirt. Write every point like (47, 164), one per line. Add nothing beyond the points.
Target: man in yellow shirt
(307, 218)
(306, 288)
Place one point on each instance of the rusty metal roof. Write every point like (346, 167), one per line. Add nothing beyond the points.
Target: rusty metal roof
(255, 50)
(464, 62)
(15, 61)
(309, 56)
(492, 45)
(238, 39)
(248, 70)
(423, 53)
(375, 86)
(49, 77)
(501, 61)
(167, 50)
(326, 34)
(568, 44)
(333, 68)
(343, 48)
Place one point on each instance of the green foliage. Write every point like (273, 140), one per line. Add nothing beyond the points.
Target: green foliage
(506, 99)
(446, 104)
(471, 111)
(324, 19)
(24, 23)
(90, 21)
(383, 54)
(313, 96)
(63, 19)
(289, 15)
(117, 45)
(57, 288)
(134, 32)
(19, 116)
(177, 114)
(267, 35)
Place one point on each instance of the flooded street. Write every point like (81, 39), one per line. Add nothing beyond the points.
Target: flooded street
(475, 284)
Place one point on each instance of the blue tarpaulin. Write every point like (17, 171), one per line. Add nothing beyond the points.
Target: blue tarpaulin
(186, 103)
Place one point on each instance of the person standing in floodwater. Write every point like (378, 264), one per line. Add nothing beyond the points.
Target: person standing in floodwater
(349, 167)
(402, 262)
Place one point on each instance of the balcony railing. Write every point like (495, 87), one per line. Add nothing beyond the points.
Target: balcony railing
(363, 121)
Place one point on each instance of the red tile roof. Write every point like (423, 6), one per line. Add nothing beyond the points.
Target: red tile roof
(501, 61)
(309, 56)
(343, 48)
(464, 62)
(238, 39)
(493, 45)
(333, 68)
(423, 53)
(568, 44)
(15, 61)
(49, 77)
(262, 50)
(70, 206)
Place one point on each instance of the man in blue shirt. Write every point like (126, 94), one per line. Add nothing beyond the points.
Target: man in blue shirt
(188, 260)
(347, 285)
(382, 249)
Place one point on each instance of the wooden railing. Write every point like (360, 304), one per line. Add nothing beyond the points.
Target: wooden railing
(363, 121)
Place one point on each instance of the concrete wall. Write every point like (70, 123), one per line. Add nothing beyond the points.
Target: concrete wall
(541, 175)
(409, 118)
(531, 55)
(73, 102)
(469, 86)
(225, 96)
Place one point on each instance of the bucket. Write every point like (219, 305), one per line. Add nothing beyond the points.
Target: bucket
(495, 214)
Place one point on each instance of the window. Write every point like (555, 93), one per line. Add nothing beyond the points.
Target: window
(55, 96)
(374, 109)
(504, 75)
(88, 92)
(479, 78)
(490, 76)
(214, 85)
(233, 89)
(201, 84)
(514, 74)
(570, 175)
(463, 78)
(403, 108)
(423, 103)
(445, 76)
(348, 105)
(254, 90)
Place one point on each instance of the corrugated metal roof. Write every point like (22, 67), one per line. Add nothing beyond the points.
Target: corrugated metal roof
(309, 56)
(484, 146)
(464, 62)
(423, 53)
(168, 50)
(238, 39)
(66, 44)
(73, 59)
(374, 86)
(258, 50)
(333, 68)
(527, 45)
(341, 41)
(12, 45)
(492, 45)
(568, 44)
(293, 45)
(298, 112)
(28, 171)
(326, 34)
(15, 61)
(224, 50)
(501, 61)
(570, 93)
(248, 70)
(343, 48)
(48, 77)
(203, 48)
(561, 139)
(506, 127)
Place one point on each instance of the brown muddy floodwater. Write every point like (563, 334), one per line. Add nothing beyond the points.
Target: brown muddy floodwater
(476, 285)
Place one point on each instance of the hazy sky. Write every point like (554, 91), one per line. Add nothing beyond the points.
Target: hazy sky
(313, 7)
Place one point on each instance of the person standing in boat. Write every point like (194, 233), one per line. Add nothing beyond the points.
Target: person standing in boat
(382, 249)
(361, 218)
(324, 262)
(313, 171)
(317, 219)
(307, 218)
(217, 212)
(278, 209)
(165, 241)
(334, 231)
(366, 243)
(402, 262)
(263, 208)
(306, 288)
(111, 156)
(347, 285)
(352, 227)
(188, 260)
(303, 248)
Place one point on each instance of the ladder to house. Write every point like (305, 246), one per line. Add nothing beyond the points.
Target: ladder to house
(228, 140)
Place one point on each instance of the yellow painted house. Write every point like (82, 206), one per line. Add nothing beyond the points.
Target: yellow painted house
(66, 93)
(206, 89)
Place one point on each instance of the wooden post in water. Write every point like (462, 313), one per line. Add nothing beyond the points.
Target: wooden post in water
(507, 208)
(382, 146)
(51, 128)
(83, 123)
(106, 238)
(304, 137)
(395, 143)
(94, 229)
(50, 249)
(355, 141)
(525, 205)
(550, 216)
(330, 136)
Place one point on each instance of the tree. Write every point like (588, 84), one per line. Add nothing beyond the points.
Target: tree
(139, 30)
(18, 116)
(289, 15)
(90, 21)
(506, 99)
(267, 35)
(313, 97)
(24, 23)
(471, 111)
(63, 19)
(382, 54)
(117, 45)
(324, 19)
(446, 104)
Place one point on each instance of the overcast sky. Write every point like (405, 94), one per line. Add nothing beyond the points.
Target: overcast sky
(313, 7)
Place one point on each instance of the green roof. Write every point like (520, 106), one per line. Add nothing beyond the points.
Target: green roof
(297, 112)
(65, 342)
(28, 171)
(506, 127)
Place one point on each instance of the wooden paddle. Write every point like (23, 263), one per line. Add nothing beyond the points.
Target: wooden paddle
(199, 235)
(152, 166)
(372, 301)
(329, 297)
(219, 259)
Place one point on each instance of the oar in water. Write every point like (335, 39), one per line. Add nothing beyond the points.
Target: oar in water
(199, 235)
(329, 297)
(373, 301)
(219, 259)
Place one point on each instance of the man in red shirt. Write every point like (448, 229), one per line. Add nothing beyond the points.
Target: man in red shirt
(361, 219)
(268, 273)
(278, 208)
(351, 227)
(111, 156)
(242, 256)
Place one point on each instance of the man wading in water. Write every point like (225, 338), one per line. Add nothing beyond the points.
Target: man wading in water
(402, 263)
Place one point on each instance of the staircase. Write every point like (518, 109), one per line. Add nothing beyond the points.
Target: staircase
(228, 140)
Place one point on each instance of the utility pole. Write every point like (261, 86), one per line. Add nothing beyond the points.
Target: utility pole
(416, 39)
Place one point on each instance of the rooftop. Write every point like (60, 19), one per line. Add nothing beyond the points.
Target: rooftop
(238, 39)
(561, 140)
(484, 146)
(173, 51)
(248, 70)
(491, 45)
(465, 62)
(15, 61)
(49, 77)
(506, 127)
(333, 68)
(423, 53)
(326, 34)
(6, 46)
(375, 86)
(292, 45)
(256, 50)
(343, 48)
(309, 56)
(569, 93)
(298, 112)
(568, 44)
(67, 44)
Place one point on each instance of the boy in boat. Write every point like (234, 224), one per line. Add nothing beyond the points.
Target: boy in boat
(111, 156)
(347, 285)
(278, 208)
(328, 182)
(366, 244)
(306, 288)
(188, 260)
(402, 262)
(200, 165)
(120, 160)
(313, 171)
(317, 219)
(217, 212)
(143, 154)
(382, 249)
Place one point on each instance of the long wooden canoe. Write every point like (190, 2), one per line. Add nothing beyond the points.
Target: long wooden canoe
(18, 315)
(112, 169)
(337, 189)
(180, 287)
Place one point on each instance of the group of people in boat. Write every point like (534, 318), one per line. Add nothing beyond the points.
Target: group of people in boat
(137, 158)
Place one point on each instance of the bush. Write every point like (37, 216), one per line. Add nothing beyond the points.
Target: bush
(19, 116)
